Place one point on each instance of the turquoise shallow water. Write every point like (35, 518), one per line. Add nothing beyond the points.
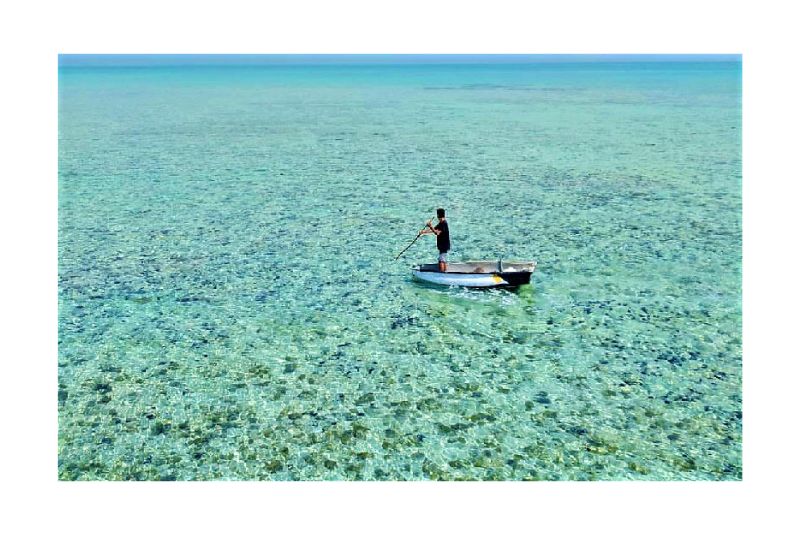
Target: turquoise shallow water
(230, 307)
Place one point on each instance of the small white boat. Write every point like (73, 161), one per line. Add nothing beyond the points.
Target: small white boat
(477, 274)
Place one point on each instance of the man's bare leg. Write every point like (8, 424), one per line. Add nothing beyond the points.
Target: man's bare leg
(442, 266)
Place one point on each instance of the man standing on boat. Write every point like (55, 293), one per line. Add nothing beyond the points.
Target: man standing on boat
(442, 233)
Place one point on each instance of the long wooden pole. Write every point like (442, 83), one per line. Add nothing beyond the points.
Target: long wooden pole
(407, 246)
(412, 242)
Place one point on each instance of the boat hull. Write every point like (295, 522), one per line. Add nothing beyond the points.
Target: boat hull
(477, 274)
(484, 280)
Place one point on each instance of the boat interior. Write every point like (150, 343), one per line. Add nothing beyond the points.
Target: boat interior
(482, 266)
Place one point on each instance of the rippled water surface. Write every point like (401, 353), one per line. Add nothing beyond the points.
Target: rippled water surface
(230, 306)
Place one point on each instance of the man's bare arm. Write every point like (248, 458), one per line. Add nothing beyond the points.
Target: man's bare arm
(431, 230)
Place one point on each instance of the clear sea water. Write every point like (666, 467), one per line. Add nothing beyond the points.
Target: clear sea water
(230, 306)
